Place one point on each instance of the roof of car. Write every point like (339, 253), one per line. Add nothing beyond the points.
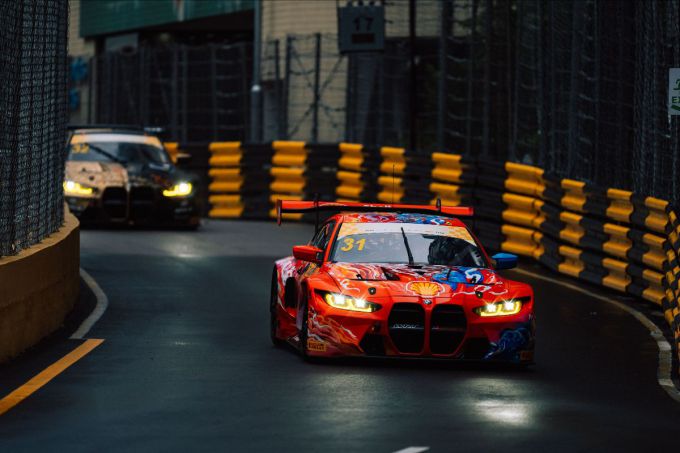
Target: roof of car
(391, 217)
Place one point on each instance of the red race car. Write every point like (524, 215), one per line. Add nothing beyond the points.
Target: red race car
(399, 280)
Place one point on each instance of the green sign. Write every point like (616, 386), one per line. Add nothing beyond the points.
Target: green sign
(101, 17)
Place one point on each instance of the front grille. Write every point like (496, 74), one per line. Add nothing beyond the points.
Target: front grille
(141, 202)
(447, 328)
(114, 203)
(407, 327)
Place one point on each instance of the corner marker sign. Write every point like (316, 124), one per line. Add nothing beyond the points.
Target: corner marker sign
(674, 91)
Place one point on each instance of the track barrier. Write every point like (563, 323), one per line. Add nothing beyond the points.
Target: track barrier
(605, 236)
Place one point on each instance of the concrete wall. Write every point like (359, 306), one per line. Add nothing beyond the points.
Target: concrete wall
(38, 287)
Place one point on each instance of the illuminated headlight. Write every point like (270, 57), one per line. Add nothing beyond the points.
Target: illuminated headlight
(181, 189)
(502, 308)
(350, 303)
(73, 188)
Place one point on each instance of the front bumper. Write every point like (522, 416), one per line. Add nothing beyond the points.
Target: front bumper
(118, 206)
(410, 328)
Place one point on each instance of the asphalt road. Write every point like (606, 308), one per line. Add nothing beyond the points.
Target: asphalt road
(187, 365)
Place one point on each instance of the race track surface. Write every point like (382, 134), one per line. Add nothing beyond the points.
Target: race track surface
(187, 365)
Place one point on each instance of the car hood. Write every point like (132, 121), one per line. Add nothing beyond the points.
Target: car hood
(105, 174)
(97, 174)
(377, 281)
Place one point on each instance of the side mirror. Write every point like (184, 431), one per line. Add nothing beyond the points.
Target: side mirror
(505, 260)
(182, 159)
(308, 253)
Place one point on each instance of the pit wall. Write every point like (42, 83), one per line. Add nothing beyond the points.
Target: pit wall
(38, 287)
(604, 236)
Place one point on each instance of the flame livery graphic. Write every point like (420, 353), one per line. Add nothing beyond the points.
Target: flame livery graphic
(377, 297)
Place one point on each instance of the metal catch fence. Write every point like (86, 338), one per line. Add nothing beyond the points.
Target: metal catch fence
(33, 102)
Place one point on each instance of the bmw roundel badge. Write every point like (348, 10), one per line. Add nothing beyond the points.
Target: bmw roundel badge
(427, 301)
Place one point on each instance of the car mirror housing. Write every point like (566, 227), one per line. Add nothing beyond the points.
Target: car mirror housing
(504, 261)
(308, 253)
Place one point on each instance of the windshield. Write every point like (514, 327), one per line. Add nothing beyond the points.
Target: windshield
(394, 242)
(120, 152)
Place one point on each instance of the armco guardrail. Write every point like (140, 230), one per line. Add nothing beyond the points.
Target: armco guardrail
(38, 287)
(607, 237)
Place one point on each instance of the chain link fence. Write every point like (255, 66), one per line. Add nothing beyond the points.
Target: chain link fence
(196, 93)
(33, 102)
(576, 87)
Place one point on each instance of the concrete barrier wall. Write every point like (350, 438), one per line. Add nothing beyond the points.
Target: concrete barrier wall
(38, 287)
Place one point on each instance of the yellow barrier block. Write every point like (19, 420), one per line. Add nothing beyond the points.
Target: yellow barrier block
(225, 160)
(352, 193)
(574, 199)
(656, 204)
(287, 187)
(351, 162)
(447, 167)
(288, 173)
(172, 148)
(521, 209)
(277, 196)
(656, 221)
(445, 190)
(225, 213)
(518, 240)
(572, 232)
(572, 264)
(655, 257)
(655, 292)
(445, 159)
(225, 200)
(289, 147)
(225, 186)
(540, 250)
(226, 174)
(618, 244)
(390, 197)
(620, 208)
(225, 147)
(389, 182)
(388, 166)
(617, 278)
(349, 177)
(350, 147)
(289, 160)
(524, 179)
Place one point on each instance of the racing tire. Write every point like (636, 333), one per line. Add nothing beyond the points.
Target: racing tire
(273, 319)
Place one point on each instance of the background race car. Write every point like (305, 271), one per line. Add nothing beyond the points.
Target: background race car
(125, 176)
(399, 280)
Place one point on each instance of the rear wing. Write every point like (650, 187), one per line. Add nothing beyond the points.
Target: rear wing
(290, 206)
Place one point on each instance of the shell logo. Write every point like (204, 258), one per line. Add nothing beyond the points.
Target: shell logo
(425, 288)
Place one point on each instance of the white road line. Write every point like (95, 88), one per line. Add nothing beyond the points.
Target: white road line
(99, 309)
(412, 450)
(665, 369)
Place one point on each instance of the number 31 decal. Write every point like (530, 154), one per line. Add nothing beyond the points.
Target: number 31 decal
(350, 243)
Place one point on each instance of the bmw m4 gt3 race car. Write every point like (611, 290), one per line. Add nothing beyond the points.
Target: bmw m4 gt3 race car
(399, 280)
(125, 176)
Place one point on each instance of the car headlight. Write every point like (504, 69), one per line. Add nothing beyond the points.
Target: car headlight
(181, 189)
(349, 303)
(74, 188)
(503, 308)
